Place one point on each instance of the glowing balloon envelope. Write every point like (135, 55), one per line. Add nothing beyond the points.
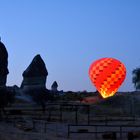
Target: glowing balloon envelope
(107, 74)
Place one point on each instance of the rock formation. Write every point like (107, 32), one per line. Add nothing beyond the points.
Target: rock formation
(54, 86)
(3, 64)
(35, 75)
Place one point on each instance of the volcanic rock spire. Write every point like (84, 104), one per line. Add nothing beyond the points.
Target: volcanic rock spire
(3, 64)
(35, 75)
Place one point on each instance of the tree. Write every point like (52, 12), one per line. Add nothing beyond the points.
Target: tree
(136, 78)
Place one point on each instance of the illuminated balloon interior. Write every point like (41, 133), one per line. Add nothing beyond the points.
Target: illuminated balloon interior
(107, 74)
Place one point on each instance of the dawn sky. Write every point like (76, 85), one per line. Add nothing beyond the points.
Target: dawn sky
(70, 35)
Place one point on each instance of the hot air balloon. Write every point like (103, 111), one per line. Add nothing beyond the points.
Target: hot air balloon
(107, 74)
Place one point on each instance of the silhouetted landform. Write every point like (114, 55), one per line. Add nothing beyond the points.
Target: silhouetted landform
(35, 75)
(3, 64)
(54, 86)
(33, 87)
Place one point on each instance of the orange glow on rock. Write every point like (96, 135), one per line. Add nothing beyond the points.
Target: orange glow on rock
(107, 74)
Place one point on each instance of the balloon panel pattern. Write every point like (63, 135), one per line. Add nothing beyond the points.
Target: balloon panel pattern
(107, 74)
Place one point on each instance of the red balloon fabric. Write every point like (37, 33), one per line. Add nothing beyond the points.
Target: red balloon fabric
(107, 74)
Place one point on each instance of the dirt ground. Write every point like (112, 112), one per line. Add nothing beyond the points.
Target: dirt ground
(53, 131)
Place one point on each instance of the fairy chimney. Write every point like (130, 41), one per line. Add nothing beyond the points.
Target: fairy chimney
(3, 64)
(35, 75)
